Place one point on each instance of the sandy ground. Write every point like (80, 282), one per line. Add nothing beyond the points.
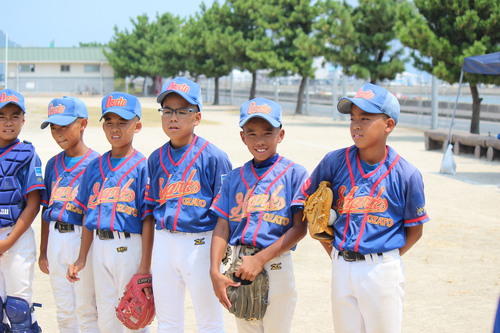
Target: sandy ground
(453, 273)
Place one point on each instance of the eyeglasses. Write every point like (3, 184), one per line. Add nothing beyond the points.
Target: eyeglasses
(180, 112)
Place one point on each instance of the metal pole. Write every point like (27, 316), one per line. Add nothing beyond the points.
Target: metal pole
(307, 95)
(435, 103)
(276, 90)
(335, 94)
(232, 89)
(455, 107)
(6, 68)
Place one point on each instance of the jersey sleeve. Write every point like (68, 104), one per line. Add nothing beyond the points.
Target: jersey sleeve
(220, 205)
(300, 176)
(323, 171)
(34, 177)
(222, 166)
(47, 180)
(143, 186)
(82, 196)
(415, 212)
(151, 193)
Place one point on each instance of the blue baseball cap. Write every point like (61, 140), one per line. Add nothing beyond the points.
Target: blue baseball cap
(64, 111)
(263, 108)
(372, 99)
(187, 89)
(125, 105)
(9, 96)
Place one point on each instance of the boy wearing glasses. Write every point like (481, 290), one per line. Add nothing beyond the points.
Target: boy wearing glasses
(185, 176)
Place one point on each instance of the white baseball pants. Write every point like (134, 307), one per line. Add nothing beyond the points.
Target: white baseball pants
(115, 261)
(75, 302)
(367, 295)
(282, 299)
(182, 260)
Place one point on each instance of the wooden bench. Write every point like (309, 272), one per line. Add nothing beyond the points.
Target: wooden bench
(463, 142)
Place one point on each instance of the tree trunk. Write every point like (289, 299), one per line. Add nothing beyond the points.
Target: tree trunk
(476, 109)
(300, 97)
(216, 91)
(253, 88)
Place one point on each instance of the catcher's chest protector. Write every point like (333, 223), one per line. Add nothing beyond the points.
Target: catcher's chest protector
(11, 198)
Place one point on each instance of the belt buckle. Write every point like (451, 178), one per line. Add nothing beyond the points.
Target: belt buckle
(64, 227)
(348, 256)
(105, 234)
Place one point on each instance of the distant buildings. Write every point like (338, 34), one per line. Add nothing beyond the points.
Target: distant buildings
(65, 70)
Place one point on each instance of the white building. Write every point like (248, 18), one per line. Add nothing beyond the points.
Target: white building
(70, 70)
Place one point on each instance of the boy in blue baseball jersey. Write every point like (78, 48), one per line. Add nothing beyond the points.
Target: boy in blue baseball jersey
(21, 186)
(260, 213)
(185, 176)
(112, 196)
(379, 199)
(62, 218)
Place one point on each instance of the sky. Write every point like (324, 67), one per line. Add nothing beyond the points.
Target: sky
(67, 23)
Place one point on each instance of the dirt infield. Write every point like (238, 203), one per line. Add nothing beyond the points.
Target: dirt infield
(452, 274)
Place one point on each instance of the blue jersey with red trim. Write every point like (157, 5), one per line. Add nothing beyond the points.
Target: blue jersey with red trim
(182, 186)
(373, 208)
(21, 173)
(259, 208)
(62, 185)
(113, 197)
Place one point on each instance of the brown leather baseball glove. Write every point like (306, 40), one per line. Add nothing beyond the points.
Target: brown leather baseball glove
(317, 212)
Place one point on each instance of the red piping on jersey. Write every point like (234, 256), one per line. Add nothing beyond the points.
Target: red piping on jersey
(418, 219)
(104, 182)
(252, 189)
(195, 138)
(5, 152)
(32, 188)
(59, 218)
(179, 200)
(221, 211)
(113, 213)
(374, 187)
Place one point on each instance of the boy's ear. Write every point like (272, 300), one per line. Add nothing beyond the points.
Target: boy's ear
(242, 136)
(83, 123)
(281, 135)
(390, 124)
(138, 127)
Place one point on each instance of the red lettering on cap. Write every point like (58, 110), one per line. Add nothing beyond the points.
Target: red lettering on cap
(7, 98)
(364, 94)
(56, 109)
(254, 108)
(121, 102)
(181, 87)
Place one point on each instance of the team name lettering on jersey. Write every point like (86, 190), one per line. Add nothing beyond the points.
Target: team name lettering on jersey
(111, 194)
(256, 203)
(178, 189)
(72, 208)
(361, 204)
(62, 193)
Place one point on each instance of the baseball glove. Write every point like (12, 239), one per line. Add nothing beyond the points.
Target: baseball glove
(135, 310)
(248, 301)
(317, 211)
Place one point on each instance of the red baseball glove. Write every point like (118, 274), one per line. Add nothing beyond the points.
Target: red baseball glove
(135, 309)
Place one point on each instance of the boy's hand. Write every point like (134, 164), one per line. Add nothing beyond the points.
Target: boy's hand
(220, 283)
(4, 246)
(250, 268)
(72, 273)
(43, 263)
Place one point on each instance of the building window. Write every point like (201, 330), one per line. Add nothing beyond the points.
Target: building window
(27, 68)
(65, 68)
(92, 68)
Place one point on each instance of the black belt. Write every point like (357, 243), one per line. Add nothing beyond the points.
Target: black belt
(353, 256)
(108, 234)
(64, 227)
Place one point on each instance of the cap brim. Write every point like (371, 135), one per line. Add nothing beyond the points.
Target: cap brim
(272, 121)
(164, 94)
(345, 104)
(58, 120)
(12, 102)
(122, 113)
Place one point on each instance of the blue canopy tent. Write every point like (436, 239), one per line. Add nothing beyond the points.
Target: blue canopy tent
(487, 64)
